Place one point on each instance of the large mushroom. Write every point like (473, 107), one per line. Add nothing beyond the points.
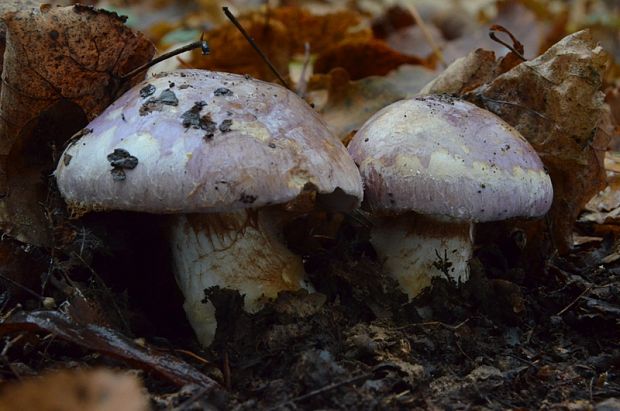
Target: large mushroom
(229, 157)
(434, 165)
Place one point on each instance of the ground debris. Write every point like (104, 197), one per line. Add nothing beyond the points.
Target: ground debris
(108, 342)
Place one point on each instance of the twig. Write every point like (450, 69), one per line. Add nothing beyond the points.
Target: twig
(583, 293)
(250, 40)
(456, 342)
(324, 389)
(427, 34)
(523, 360)
(185, 405)
(197, 44)
(226, 370)
(430, 323)
(5, 359)
(23, 287)
(9, 344)
(102, 283)
(193, 355)
(302, 85)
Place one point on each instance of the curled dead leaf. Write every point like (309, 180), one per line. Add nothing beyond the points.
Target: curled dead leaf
(556, 104)
(364, 57)
(465, 74)
(62, 67)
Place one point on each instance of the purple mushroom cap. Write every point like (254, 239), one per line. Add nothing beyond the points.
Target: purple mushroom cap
(200, 141)
(445, 157)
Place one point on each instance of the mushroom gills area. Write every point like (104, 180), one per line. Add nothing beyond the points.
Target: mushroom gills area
(242, 251)
(416, 248)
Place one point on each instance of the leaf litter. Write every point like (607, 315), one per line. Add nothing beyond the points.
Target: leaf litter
(62, 67)
(535, 327)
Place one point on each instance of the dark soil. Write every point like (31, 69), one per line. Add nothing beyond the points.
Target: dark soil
(513, 337)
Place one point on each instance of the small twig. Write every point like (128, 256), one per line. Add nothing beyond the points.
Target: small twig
(523, 360)
(583, 293)
(197, 44)
(302, 85)
(186, 404)
(102, 283)
(250, 40)
(431, 323)
(23, 287)
(324, 389)
(193, 355)
(461, 350)
(5, 359)
(9, 344)
(427, 34)
(226, 370)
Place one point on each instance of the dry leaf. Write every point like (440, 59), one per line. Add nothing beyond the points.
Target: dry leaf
(351, 103)
(556, 103)
(465, 74)
(363, 57)
(604, 208)
(281, 35)
(61, 68)
(76, 390)
(11, 6)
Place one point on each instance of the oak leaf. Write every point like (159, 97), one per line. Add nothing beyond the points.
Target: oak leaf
(62, 67)
(556, 104)
(281, 34)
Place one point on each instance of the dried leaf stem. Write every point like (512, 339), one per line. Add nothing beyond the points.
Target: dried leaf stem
(197, 44)
(427, 34)
(250, 40)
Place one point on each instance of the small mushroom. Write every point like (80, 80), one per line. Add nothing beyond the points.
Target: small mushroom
(230, 187)
(434, 165)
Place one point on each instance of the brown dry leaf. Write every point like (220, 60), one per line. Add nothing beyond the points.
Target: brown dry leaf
(76, 390)
(61, 68)
(11, 6)
(465, 74)
(351, 103)
(612, 98)
(281, 34)
(556, 103)
(364, 57)
(604, 208)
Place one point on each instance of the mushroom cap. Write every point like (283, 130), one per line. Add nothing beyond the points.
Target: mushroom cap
(440, 156)
(200, 141)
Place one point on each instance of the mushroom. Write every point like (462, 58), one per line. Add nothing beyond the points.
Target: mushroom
(434, 165)
(230, 158)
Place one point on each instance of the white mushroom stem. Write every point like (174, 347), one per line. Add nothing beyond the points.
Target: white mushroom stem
(243, 251)
(416, 248)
